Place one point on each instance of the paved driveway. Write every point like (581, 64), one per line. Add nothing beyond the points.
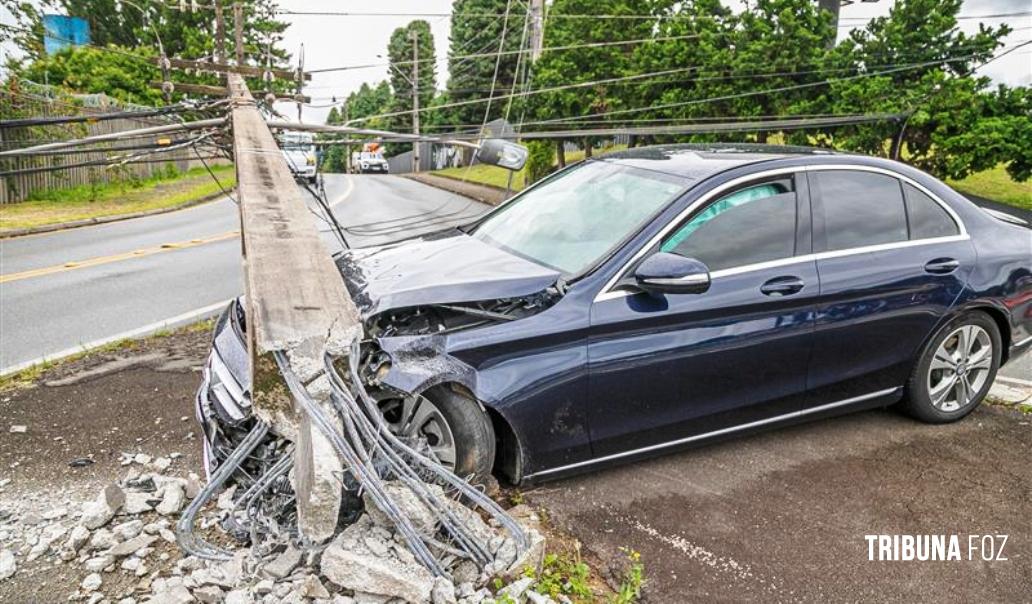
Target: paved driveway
(781, 516)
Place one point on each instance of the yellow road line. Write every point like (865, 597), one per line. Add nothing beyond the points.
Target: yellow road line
(147, 251)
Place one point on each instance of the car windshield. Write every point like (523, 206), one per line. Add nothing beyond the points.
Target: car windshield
(570, 222)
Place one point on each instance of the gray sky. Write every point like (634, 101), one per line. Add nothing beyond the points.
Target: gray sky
(331, 41)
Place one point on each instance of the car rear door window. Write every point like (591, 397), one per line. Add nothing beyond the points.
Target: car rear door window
(927, 218)
(752, 225)
(860, 208)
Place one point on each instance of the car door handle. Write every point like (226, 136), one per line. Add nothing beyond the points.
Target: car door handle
(941, 266)
(782, 286)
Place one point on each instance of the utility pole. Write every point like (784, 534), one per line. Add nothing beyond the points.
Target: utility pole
(833, 7)
(220, 33)
(537, 28)
(415, 98)
(238, 31)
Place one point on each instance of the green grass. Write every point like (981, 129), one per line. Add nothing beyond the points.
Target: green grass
(170, 190)
(498, 177)
(997, 185)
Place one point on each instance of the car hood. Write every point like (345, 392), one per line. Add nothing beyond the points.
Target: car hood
(448, 268)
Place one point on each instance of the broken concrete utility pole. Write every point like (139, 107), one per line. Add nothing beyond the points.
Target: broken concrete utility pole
(296, 305)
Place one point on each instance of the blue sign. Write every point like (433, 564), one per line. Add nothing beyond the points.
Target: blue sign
(60, 32)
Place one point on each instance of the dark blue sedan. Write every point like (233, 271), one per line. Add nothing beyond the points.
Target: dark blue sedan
(662, 297)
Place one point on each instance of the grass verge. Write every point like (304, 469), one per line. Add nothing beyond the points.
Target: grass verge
(498, 177)
(997, 185)
(169, 190)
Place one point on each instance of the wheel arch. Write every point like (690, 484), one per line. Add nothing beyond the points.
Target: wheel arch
(1000, 317)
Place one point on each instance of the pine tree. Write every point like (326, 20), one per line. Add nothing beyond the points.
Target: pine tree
(476, 28)
(402, 71)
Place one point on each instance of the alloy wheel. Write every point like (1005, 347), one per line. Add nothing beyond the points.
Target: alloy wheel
(417, 417)
(960, 368)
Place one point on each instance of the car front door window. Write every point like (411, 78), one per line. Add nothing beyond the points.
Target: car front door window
(752, 225)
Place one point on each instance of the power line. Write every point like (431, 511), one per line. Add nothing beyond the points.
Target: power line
(521, 51)
(771, 90)
(630, 17)
(661, 73)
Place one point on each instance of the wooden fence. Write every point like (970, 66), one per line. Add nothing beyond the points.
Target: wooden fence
(33, 100)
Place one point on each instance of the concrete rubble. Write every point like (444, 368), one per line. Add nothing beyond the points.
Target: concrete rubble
(123, 545)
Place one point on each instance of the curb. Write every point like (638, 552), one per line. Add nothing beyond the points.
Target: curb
(488, 194)
(177, 321)
(61, 226)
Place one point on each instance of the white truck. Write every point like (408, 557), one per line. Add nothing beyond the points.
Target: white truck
(369, 159)
(299, 151)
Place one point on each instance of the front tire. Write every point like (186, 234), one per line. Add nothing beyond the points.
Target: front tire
(955, 370)
(454, 426)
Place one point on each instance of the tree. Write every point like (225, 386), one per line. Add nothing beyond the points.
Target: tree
(402, 71)
(184, 34)
(587, 63)
(954, 123)
(121, 73)
(477, 30)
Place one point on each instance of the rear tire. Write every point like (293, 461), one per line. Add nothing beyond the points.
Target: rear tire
(955, 370)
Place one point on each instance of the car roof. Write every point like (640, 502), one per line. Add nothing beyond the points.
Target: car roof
(698, 161)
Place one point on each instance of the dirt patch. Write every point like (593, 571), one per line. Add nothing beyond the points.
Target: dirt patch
(782, 516)
(137, 398)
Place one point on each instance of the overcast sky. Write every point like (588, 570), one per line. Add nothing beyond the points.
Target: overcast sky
(331, 41)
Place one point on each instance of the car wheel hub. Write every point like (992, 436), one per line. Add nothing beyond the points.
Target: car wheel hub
(418, 418)
(960, 368)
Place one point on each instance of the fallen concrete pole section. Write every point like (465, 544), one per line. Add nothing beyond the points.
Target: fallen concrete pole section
(296, 302)
(317, 434)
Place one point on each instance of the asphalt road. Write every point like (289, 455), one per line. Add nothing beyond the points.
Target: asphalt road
(63, 290)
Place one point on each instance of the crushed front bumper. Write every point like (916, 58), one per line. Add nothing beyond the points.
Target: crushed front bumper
(223, 401)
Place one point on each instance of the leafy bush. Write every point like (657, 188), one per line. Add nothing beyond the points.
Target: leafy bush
(539, 163)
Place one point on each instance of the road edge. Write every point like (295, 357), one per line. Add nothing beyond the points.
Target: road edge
(198, 314)
(492, 196)
(74, 224)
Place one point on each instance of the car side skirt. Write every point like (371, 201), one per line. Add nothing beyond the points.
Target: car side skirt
(856, 403)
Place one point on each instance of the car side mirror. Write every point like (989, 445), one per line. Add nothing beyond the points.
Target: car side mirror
(666, 273)
(505, 154)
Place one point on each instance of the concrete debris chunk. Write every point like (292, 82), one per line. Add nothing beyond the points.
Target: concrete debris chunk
(92, 582)
(443, 591)
(172, 594)
(208, 594)
(516, 590)
(139, 503)
(313, 588)
(374, 575)
(127, 530)
(99, 563)
(172, 501)
(423, 520)
(534, 597)
(103, 539)
(238, 596)
(8, 565)
(131, 546)
(100, 511)
(77, 538)
(283, 564)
